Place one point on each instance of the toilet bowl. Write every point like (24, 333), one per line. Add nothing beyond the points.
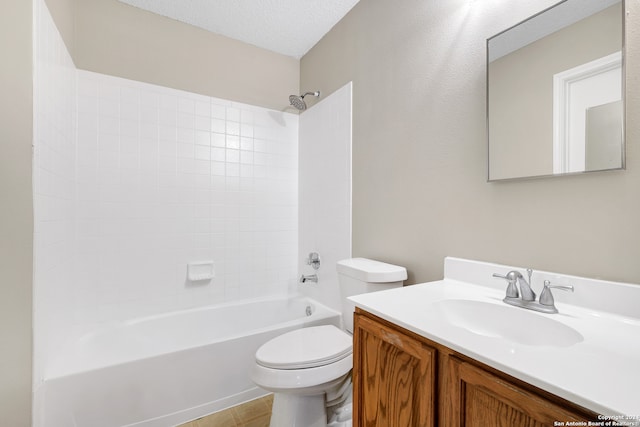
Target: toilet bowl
(301, 367)
(309, 369)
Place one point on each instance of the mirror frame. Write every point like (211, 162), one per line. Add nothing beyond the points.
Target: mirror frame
(624, 100)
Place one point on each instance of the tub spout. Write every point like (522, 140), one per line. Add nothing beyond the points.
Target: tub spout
(311, 278)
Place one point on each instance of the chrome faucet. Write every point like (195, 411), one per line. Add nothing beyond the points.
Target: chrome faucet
(513, 297)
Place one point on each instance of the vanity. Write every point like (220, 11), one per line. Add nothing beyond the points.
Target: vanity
(453, 353)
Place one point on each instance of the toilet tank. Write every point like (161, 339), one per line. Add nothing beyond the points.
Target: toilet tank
(362, 275)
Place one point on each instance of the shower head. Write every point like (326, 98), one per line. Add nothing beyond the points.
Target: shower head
(298, 101)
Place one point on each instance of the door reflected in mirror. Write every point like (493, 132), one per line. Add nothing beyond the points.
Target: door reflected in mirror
(555, 93)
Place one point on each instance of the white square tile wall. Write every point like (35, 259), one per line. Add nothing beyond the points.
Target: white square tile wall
(166, 177)
(133, 181)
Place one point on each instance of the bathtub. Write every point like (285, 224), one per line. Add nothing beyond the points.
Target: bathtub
(165, 370)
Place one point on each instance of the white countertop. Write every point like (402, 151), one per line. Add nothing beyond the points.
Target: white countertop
(600, 373)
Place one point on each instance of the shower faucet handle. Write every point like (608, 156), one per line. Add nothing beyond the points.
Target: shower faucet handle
(314, 260)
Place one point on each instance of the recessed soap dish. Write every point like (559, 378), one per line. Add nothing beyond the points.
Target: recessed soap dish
(200, 271)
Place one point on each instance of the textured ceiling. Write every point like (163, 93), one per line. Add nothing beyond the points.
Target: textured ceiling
(289, 27)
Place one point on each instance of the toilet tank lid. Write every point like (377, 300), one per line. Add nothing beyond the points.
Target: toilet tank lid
(369, 270)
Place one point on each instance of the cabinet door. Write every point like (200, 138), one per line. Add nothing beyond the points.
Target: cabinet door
(393, 377)
(479, 398)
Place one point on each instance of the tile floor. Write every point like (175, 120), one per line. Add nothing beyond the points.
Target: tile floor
(256, 413)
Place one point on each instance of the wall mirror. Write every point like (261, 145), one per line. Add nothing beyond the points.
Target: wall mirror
(555, 92)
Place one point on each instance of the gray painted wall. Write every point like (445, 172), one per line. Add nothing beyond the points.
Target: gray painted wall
(420, 155)
(110, 37)
(16, 213)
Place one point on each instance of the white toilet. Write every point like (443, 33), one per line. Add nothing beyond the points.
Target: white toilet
(309, 369)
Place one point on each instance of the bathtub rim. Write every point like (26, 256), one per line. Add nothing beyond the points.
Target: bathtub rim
(59, 369)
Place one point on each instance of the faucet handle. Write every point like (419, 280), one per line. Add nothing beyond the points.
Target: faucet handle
(546, 297)
(313, 260)
(512, 278)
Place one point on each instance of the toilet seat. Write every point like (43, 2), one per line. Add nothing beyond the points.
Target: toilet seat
(305, 348)
(302, 381)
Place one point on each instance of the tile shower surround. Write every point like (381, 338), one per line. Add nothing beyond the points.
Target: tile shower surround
(166, 177)
(132, 181)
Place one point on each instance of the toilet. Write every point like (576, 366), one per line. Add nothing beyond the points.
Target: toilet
(309, 369)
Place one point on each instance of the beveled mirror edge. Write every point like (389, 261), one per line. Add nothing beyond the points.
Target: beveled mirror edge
(623, 51)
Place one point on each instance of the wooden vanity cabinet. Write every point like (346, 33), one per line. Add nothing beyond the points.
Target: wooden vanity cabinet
(394, 377)
(478, 398)
(403, 379)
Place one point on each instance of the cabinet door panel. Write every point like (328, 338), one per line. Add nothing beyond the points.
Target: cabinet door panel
(394, 377)
(480, 399)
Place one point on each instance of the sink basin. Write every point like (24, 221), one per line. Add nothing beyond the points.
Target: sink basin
(502, 321)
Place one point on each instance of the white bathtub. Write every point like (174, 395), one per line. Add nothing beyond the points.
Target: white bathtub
(165, 370)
